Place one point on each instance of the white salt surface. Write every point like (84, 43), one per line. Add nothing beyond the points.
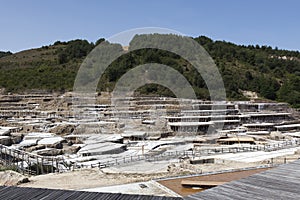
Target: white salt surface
(144, 188)
(254, 156)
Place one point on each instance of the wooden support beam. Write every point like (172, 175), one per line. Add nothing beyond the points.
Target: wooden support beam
(201, 183)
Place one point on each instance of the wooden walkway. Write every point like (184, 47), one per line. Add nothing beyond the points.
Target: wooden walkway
(28, 163)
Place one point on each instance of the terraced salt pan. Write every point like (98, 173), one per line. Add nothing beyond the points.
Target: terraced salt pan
(254, 156)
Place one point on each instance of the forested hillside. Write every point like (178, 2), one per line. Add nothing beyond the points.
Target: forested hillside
(274, 74)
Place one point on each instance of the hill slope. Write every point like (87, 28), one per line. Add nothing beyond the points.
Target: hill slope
(274, 74)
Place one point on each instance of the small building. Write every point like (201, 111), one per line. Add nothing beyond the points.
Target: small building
(190, 127)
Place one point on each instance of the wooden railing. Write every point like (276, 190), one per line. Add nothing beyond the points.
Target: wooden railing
(32, 164)
(28, 163)
(181, 154)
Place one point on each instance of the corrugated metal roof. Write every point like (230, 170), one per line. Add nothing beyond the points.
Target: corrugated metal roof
(282, 182)
(22, 193)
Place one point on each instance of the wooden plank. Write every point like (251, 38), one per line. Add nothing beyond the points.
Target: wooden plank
(201, 183)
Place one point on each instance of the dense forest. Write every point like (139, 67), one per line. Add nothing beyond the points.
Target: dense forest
(2, 53)
(273, 73)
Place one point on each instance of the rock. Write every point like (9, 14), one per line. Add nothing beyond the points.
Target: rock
(24, 180)
(297, 151)
(71, 149)
(70, 143)
(57, 145)
(5, 140)
(63, 129)
(12, 178)
(34, 148)
(16, 139)
(49, 152)
(276, 135)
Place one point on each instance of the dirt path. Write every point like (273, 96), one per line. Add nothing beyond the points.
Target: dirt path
(84, 179)
(92, 178)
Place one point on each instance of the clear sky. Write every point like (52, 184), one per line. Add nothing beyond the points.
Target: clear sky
(33, 23)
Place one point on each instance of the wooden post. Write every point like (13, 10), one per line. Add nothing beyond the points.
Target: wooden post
(52, 166)
(22, 163)
(1, 153)
(29, 164)
(57, 164)
(42, 165)
(6, 161)
(13, 158)
(272, 161)
(37, 165)
(10, 157)
(18, 160)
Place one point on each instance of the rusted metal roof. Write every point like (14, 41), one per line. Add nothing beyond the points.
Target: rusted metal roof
(23, 193)
(282, 182)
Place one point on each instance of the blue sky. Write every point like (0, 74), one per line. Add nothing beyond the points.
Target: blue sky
(34, 23)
